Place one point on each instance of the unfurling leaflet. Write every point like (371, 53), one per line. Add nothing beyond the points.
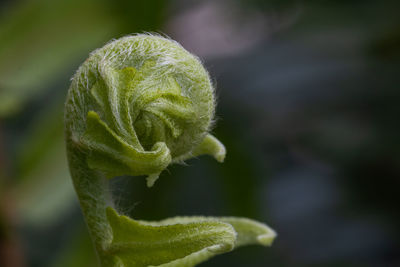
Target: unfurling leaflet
(134, 107)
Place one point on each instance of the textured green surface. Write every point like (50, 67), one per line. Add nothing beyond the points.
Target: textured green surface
(181, 241)
(135, 106)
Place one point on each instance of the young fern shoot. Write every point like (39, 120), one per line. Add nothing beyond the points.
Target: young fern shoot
(134, 107)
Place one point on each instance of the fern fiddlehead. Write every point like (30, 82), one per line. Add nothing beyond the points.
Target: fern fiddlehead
(135, 106)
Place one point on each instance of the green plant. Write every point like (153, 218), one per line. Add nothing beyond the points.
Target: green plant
(135, 106)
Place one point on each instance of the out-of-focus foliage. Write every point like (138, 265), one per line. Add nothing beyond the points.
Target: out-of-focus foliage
(42, 39)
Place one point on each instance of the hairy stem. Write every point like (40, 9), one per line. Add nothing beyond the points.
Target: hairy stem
(94, 196)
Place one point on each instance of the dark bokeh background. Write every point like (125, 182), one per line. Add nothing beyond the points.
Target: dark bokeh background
(308, 110)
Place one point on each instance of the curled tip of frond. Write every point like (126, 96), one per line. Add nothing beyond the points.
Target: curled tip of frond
(141, 103)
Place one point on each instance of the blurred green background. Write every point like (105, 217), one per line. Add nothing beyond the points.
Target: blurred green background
(308, 110)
